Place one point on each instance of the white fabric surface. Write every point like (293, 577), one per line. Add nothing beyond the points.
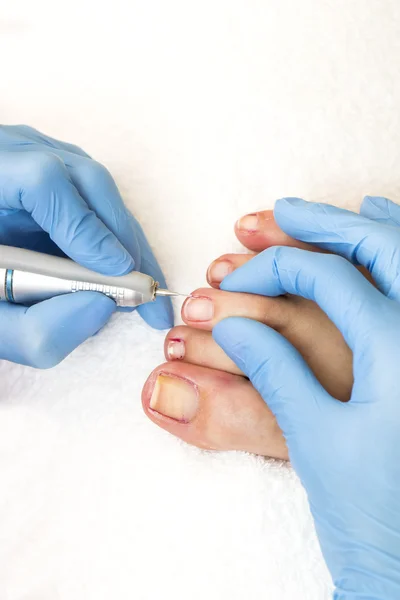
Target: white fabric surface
(202, 111)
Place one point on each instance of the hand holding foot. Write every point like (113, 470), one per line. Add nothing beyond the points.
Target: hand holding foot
(202, 396)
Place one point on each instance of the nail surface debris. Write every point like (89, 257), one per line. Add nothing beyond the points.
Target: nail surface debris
(175, 349)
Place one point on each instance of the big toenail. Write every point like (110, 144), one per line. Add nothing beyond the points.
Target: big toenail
(175, 397)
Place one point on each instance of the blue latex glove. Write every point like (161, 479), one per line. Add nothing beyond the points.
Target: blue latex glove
(55, 199)
(346, 455)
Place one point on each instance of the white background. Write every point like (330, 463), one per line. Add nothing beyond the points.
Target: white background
(202, 111)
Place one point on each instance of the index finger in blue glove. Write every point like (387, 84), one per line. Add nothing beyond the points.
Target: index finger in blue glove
(40, 184)
(332, 282)
(97, 187)
(360, 240)
(100, 192)
(91, 179)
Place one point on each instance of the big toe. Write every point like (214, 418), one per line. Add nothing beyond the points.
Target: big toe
(212, 409)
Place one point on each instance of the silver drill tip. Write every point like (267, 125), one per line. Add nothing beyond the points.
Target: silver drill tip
(161, 292)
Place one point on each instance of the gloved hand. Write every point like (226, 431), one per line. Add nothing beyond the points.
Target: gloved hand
(55, 199)
(347, 455)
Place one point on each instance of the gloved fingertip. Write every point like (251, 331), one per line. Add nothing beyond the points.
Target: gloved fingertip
(291, 201)
(289, 211)
(250, 277)
(220, 329)
(285, 213)
(372, 205)
(236, 281)
(232, 280)
(381, 210)
(159, 314)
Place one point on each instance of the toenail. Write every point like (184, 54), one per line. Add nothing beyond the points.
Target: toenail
(175, 349)
(219, 270)
(175, 397)
(198, 308)
(249, 223)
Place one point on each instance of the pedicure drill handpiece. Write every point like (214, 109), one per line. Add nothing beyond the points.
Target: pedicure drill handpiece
(28, 277)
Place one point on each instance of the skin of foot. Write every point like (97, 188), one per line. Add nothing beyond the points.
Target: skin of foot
(200, 396)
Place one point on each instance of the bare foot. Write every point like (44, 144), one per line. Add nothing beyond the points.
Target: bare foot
(201, 396)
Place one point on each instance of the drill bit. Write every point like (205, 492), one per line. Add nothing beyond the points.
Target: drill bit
(161, 292)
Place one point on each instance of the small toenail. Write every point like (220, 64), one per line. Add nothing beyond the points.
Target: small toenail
(175, 397)
(198, 308)
(175, 349)
(249, 223)
(219, 270)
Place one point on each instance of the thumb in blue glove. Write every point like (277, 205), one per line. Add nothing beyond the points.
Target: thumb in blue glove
(346, 455)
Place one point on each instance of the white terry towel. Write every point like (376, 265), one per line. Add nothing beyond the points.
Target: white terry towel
(202, 111)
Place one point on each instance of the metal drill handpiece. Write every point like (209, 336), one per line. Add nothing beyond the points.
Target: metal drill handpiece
(28, 277)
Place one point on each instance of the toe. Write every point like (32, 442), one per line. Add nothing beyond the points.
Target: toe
(197, 347)
(258, 231)
(206, 307)
(212, 410)
(224, 265)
